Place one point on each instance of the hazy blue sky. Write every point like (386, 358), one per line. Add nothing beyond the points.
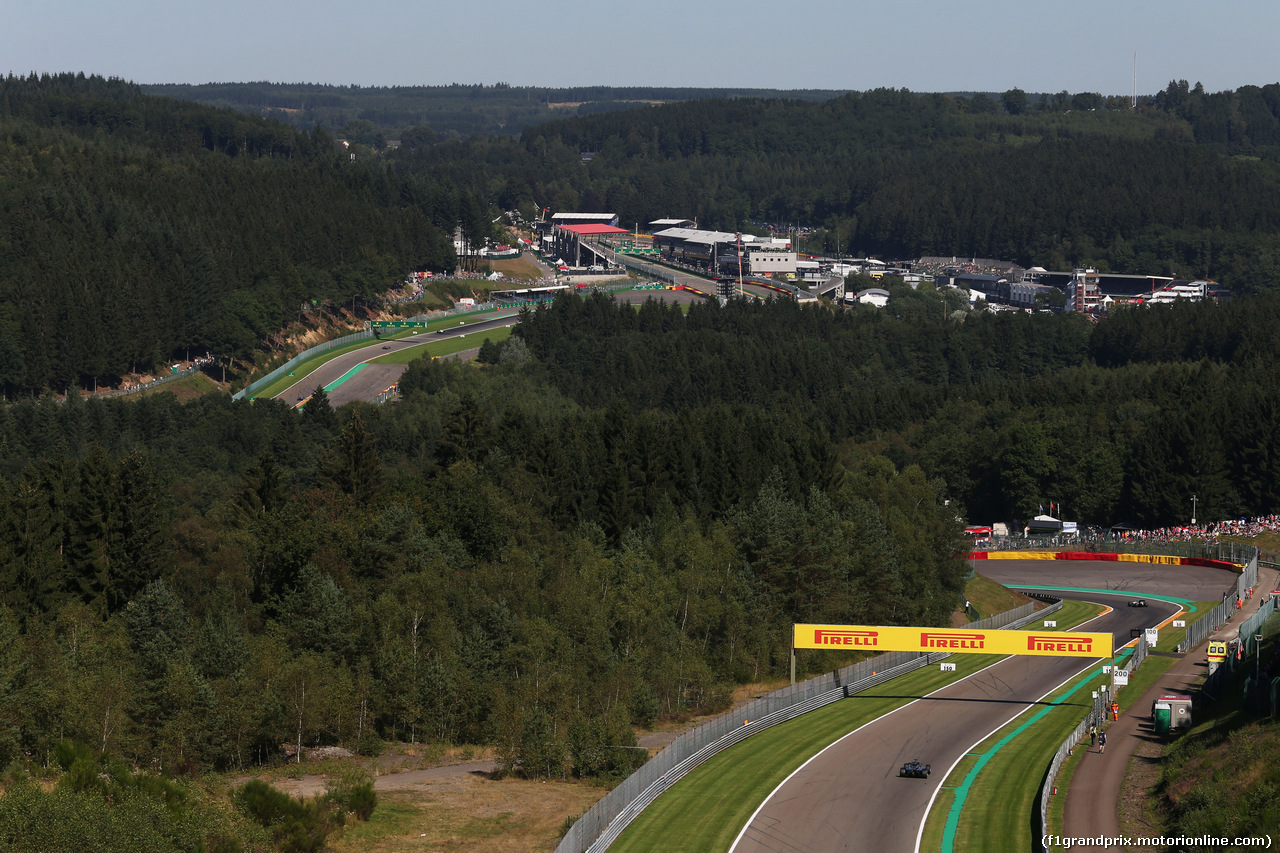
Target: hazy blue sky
(923, 45)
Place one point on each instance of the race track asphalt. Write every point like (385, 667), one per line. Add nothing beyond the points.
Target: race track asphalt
(850, 797)
(373, 379)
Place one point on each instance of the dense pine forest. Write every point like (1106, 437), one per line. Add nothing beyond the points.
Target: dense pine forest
(618, 520)
(134, 228)
(377, 115)
(613, 518)
(1184, 186)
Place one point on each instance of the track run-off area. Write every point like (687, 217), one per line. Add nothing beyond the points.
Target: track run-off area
(829, 780)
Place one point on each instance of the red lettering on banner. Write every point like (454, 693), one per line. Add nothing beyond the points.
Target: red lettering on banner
(827, 637)
(1050, 643)
(953, 641)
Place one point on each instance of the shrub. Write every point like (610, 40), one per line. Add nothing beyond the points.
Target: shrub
(296, 825)
(351, 789)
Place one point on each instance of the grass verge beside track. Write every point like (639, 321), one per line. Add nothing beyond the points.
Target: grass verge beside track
(1000, 805)
(444, 346)
(1148, 674)
(1170, 637)
(707, 809)
(737, 780)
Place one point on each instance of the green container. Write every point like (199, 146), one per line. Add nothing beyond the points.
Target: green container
(1163, 717)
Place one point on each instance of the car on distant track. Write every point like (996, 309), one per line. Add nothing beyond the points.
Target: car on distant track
(915, 770)
(1138, 602)
(386, 346)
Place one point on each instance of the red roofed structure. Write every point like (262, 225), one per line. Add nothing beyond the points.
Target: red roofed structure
(567, 240)
(594, 230)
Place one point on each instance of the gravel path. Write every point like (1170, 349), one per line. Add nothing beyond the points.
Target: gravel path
(1094, 801)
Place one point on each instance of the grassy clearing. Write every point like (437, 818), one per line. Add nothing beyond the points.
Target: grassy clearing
(987, 597)
(468, 813)
(517, 269)
(186, 389)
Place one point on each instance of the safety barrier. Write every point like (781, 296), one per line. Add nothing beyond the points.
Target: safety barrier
(1197, 632)
(1230, 552)
(258, 384)
(601, 825)
(1203, 628)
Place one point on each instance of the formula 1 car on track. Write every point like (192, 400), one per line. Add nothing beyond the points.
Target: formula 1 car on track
(915, 770)
(1138, 602)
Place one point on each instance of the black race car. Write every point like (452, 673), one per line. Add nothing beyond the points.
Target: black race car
(915, 770)
(1138, 602)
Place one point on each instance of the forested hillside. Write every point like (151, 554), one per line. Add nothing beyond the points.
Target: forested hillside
(618, 516)
(374, 115)
(1186, 186)
(618, 521)
(133, 228)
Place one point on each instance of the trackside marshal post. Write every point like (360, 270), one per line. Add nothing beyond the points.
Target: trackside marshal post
(875, 638)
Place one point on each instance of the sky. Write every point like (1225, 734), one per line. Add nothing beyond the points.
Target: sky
(921, 45)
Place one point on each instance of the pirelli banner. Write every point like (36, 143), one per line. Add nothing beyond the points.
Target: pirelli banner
(986, 642)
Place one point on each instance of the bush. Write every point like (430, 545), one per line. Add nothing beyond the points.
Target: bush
(296, 825)
(370, 745)
(351, 789)
(362, 801)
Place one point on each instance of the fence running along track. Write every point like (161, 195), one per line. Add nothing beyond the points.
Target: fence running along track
(601, 825)
(1197, 633)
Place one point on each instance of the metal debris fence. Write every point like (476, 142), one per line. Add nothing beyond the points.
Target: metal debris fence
(1203, 628)
(1197, 633)
(601, 825)
(258, 384)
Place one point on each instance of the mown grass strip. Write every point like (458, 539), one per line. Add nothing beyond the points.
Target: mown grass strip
(707, 809)
(444, 346)
(997, 808)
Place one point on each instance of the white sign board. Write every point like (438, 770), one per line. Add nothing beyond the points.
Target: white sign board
(1153, 636)
(1121, 677)
(947, 667)
(1179, 623)
(1051, 623)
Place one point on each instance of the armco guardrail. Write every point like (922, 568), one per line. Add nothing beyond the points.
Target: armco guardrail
(1203, 628)
(601, 825)
(1197, 632)
(257, 384)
